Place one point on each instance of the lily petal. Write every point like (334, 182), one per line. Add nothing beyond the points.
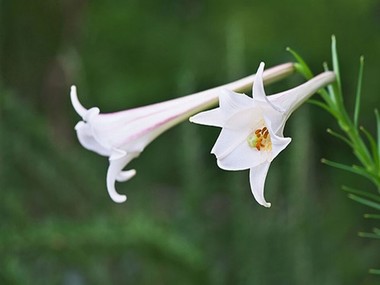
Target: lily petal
(117, 162)
(257, 176)
(259, 92)
(246, 119)
(212, 117)
(279, 143)
(233, 152)
(86, 138)
(231, 102)
(75, 102)
(125, 175)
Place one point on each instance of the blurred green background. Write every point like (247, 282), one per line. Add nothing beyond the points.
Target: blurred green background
(185, 221)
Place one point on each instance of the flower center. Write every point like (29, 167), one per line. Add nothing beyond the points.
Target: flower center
(260, 139)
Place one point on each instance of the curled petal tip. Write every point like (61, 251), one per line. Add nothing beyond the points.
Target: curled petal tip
(118, 160)
(118, 198)
(125, 175)
(267, 205)
(264, 203)
(75, 102)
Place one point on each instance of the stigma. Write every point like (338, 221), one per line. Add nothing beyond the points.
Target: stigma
(260, 139)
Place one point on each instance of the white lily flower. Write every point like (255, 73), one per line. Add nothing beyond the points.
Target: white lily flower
(122, 136)
(252, 127)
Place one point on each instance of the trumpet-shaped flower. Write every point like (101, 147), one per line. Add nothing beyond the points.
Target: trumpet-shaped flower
(252, 127)
(122, 136)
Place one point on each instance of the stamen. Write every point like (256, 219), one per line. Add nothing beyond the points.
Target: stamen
(260, 139)
(258, 146)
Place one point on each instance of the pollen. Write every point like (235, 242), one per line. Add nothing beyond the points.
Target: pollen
(260, 139)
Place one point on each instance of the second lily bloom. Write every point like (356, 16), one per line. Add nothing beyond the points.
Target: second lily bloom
(252, 127)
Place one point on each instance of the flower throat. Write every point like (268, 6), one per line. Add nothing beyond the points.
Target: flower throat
(260, 139)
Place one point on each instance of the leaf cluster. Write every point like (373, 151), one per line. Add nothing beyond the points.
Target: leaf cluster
(364, 145)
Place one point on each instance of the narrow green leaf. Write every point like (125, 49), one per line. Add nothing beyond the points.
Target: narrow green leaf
(322, 105)
(335, 62)
(374, 271)
(303, 68)
(364, 172)
(319, 104)
(371, 216)
(327, 97)
(364, 201)
(353, 169)
(339, 136)
(362, 193)
(337, 88)
(358, 92)
(373, 145)
(330, 94)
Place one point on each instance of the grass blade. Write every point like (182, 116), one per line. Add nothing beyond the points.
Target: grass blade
(369, 175)
(373, 145)
(358, 92)
(329, 95)
(303, 68)
(353, 169)
(362, 193)
(335, 63)
(339, 136)
(321, 105)
(364, 201)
